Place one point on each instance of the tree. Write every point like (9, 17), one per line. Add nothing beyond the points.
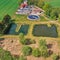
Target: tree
(26, 50)
(1, 28)
(36, 52)
(31, 2)
(6, 19)
(59, 17)
(44, 51)
(54, 13)
(20, 1)
(55, 57)
(43, 48)
(25, 41)
(5, 23)
(47, 8)
(5, 55)
(22, 39)
(42, 42)
(21, 36)
(41, 3)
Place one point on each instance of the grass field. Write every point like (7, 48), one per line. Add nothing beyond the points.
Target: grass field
(54, 3)
(8, 7)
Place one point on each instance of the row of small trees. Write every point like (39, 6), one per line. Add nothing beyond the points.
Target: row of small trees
(51, 12)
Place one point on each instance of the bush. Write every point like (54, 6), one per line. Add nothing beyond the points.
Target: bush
(55, 57)
(44, 51)
(42, 42)
(29, 41)
(43, 48)
(5, 55)
(36, 52)
(32, 41)
(41, 3)
(21, 36)
(25, 41)
(26, 50)
(55, 13)
(22, 39)
(6, 20)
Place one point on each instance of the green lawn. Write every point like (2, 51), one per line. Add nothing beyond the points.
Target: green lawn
(8, 7)
(54, 3)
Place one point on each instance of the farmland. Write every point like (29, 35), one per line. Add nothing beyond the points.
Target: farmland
(54, 3)
(8, 7)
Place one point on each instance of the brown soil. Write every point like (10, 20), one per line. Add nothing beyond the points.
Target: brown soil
(13, 45)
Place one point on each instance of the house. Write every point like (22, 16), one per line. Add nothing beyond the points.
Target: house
(26, 9)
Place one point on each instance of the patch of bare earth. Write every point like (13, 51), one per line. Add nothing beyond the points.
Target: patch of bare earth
(35, 58)
(13, 45)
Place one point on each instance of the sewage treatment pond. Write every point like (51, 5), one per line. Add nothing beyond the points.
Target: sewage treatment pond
(45, 31)
(12, 29)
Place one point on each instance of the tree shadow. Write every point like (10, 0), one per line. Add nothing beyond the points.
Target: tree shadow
(58, 57)
(29, 41)
(1, 42)
(49, 46)
(50, 52)
(1, 39)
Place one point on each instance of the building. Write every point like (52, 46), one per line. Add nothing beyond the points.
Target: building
(26, 9)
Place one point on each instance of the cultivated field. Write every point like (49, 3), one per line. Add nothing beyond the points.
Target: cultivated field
(54, 3)
(8, 7)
